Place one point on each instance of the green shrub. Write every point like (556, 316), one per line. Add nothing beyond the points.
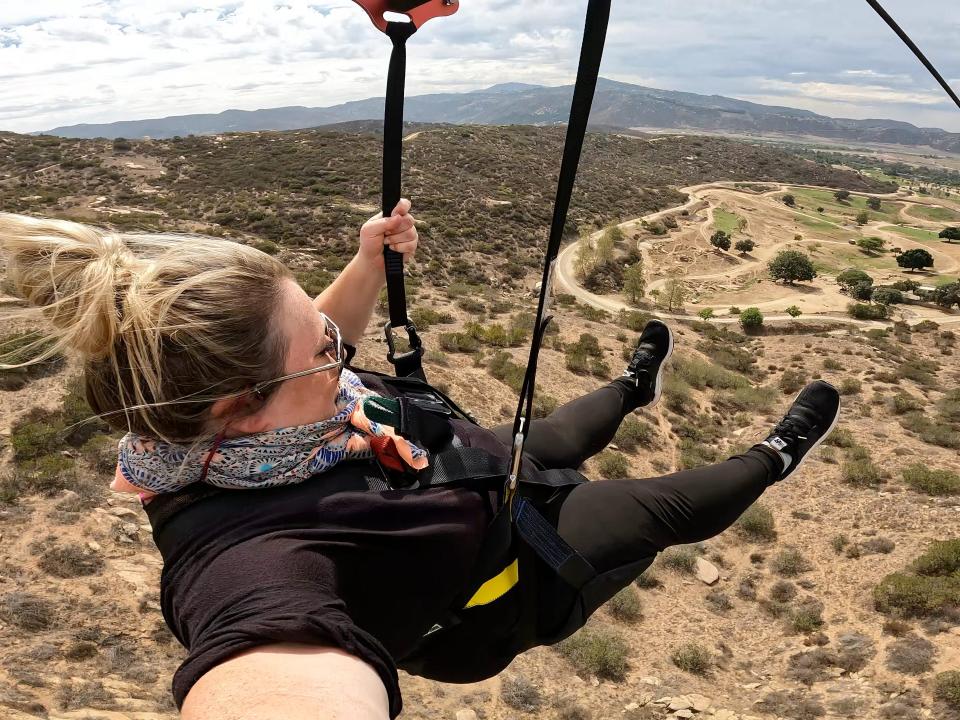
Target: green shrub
(700, 374)
(831, 364)
(676, 396)
(596, 651)
(625, 605)
(424, 317)
(791, 381)
(458, 342)
(940, 559)
(748, 399)
(633, 432)
(757, 523)
(577, 361)
(863, 311)
(612, 464)
(946, 687)
(692, 658)
(839, 542)
(680, 558)
(502, 367)
(841, 438)
(903, 403)
(861, 473)
(267, 246)
(633, 319)
(751, 319)
(806, 618)
(648, 580)
(790, 562)
(850, 386)
(931, 481)
(916, 595)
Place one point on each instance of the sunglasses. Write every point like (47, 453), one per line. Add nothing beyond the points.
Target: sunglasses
(335, 352)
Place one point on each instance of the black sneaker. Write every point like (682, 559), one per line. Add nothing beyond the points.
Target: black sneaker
(808, 422)
(646, 365)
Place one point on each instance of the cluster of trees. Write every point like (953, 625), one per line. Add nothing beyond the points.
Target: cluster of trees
(722, 241)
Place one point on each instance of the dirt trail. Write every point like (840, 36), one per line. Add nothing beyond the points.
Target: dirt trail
(829, 302)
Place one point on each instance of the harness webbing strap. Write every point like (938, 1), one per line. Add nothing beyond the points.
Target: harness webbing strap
(591, 54)
(406, 364)
(878, 8)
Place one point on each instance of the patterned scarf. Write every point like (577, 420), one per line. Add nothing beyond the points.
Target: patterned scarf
(277, 457)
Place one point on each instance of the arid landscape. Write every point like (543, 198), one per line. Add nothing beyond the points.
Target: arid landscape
(836, 596)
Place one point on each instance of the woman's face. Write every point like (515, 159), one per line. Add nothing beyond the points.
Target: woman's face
(303, 400)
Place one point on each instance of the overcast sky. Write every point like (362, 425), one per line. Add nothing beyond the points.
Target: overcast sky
(71, 61)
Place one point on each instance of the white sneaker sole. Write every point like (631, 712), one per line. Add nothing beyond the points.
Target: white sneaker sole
(658, 390)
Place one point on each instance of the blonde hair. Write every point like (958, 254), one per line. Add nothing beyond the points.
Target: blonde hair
(165, 324)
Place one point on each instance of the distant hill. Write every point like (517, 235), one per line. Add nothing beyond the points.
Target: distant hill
(617, 105)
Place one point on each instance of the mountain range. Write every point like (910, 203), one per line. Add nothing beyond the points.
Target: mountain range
(617, 105)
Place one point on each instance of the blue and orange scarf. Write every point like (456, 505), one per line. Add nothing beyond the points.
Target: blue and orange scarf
(277, 457)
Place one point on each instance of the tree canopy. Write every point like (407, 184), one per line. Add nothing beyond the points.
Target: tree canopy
(851, 277)
(915, 259)
(791, 266)
(950, 234)
(745, 246)
(720, 240)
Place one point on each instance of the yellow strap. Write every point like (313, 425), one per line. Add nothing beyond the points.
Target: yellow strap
(496, 586)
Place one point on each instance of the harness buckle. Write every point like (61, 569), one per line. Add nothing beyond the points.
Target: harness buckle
(412, 355)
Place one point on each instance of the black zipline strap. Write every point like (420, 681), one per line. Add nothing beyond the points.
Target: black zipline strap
(408, 363)
(591, 54)
(916, 51)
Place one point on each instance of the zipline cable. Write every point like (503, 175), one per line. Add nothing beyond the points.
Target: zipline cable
(591, 54)
(916, 51)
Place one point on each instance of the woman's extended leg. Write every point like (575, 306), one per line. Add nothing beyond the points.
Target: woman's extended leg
(583, 427)
(619, 526)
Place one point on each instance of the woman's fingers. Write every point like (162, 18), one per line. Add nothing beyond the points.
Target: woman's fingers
(404, 248)
(402, 208)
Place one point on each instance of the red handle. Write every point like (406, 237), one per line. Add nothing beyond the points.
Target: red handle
(418, 13)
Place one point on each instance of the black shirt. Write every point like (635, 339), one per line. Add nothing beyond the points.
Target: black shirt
(367, 572)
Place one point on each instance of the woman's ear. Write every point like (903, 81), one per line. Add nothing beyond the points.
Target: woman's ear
(239, 414)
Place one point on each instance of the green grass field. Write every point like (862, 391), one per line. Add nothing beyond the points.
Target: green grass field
(726, 221)
(912, 233)
(844, 211)
(935, 214)
(833, 258)
(822, 229)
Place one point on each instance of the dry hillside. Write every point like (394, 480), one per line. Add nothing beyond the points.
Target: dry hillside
(838, 594)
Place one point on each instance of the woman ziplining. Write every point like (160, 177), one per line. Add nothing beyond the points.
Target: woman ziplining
(322, 526)
(298, 572)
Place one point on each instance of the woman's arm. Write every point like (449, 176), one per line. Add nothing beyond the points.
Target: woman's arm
(289, 682)
(350, 299)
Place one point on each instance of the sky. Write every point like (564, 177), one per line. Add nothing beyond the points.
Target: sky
(64, 62)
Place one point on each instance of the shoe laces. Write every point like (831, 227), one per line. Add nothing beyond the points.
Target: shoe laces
(642, 358)
(791, 427)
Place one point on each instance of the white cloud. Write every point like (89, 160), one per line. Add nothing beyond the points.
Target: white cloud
(69, 61)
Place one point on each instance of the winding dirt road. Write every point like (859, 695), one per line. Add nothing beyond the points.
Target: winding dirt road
(565, 274)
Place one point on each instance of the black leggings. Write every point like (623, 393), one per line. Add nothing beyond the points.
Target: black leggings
(618, 523)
